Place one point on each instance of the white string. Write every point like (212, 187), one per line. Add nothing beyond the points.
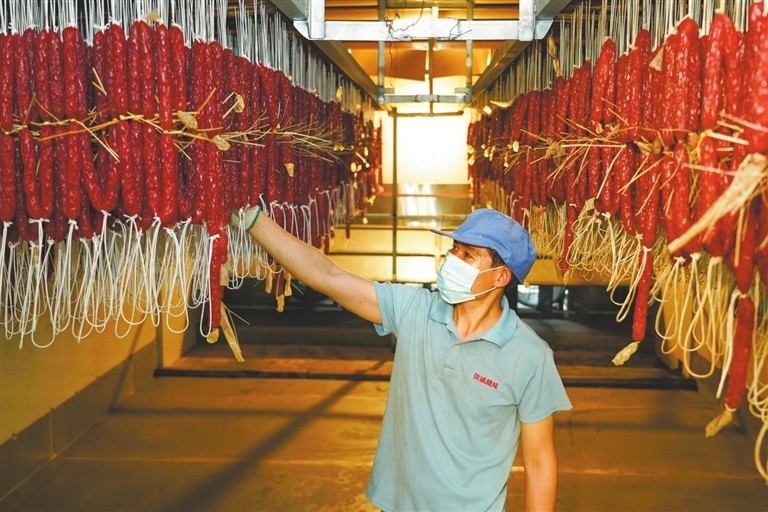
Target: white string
(25, 298)
(61, 305)
(729, 340)
(6, 298)
(113, 255)
(92, 298)
(199, 258)
(5, 275)
(205, 287)
(16, 266)
(306, 214)
(84, 292)
(102, 276)
(293, 219)
(152, 279)
(175, 283)
(758, 389)
(129, 278)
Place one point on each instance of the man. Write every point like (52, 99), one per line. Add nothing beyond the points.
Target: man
(469, 380)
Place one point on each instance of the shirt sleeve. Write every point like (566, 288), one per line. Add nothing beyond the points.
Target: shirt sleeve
(384, 296)
(545, 393)
(397, 304)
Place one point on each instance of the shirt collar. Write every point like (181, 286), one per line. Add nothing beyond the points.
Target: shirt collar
(500, 334)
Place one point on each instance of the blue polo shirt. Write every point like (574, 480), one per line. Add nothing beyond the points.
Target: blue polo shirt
(452, 419)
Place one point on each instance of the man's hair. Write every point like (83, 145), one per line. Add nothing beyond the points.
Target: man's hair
(497, 261)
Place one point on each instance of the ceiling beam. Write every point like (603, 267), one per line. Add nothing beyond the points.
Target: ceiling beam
(535, 20)
(310, 12)
(510, 50)
(442, 29)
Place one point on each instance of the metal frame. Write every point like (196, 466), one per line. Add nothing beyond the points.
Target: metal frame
(308, 16)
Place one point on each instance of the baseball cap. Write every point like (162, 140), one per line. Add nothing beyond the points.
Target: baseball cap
(486, 227)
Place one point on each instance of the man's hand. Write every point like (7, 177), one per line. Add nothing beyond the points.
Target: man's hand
(245, 217)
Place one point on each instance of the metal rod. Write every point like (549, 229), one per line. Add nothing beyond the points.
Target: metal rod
(394, 194)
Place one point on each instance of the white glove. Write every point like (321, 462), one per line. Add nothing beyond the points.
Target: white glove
(245, 217)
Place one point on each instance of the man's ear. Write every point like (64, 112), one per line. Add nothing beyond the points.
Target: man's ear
(505, 277)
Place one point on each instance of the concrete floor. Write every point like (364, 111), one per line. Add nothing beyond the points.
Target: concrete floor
(272, 444)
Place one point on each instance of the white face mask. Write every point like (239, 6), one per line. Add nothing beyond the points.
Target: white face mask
(455, 279)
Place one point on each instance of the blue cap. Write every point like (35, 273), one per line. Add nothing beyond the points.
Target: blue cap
(488, 228)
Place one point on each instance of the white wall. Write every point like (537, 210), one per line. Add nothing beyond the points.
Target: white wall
(34, 381)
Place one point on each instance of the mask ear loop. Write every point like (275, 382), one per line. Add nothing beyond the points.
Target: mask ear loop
(491, 288)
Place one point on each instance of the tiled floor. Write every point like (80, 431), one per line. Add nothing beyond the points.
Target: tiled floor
(245, 444)
(246, 438)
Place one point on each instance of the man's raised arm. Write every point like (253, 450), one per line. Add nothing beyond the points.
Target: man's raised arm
(315, 269)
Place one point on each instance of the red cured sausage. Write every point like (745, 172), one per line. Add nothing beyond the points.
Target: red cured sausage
(194, 189)
(102, 178)
(129, 142)
(42, 76)
(37, 159)
(636, 76)
(642, 296)
(8, 192)
(21, 219)
(25, 84)
(73, 49)
(734, 83)
(625, 190)
(268, 81)
(742, 261)
(604, 84)
(756, 79)
(649, 212)
(709, 190)
(678, 209)
(690, 68)
(152, 178)
(56, 74)
(607, 200)
(258, 176)
(761, 251)
(165, 83)
(217, 215)
(571, 213)
(233, 158)
(667, 165)
(169, 177)
(652, 98)
(285, 91)
(100, 63)
(134, 61)
(742, 348)
(242, 124)
(178, 63)
(622, 96)
(117, 70)
(218, 257)
(668, 119)
(8, 50)
(147, 57)
(713, 71)
(70, 180)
